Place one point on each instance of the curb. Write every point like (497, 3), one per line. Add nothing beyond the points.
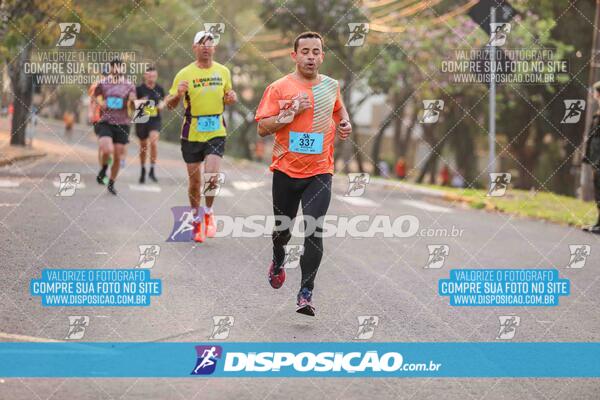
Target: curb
(11, 159)
(435, 193)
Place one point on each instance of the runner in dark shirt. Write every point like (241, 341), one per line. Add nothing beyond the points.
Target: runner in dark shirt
(148, 131)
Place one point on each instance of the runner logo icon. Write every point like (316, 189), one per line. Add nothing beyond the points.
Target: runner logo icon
(141, 114)
(508, 326)
(68, 33)
(222, 327)
(148, 255)
(287, 110)
(579, 254)
(358, 34)
(431, 111)
(207, 359)
(69, 182)
(212, 183)
(216, 29)
(183, 227)
(366, 326)
(573, 111)
(499, 33)
(498, 184)
(293, 252)
(357, 184)
(77, 325)
(437, 255)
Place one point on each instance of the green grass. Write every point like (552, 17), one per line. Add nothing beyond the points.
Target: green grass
(542, 205)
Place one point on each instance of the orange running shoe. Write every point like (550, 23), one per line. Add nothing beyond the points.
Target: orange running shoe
(198, 234)
(209, 223)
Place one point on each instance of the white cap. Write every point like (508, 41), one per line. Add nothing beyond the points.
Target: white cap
(200, 35)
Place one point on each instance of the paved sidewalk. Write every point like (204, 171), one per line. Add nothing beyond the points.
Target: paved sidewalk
(11, 154)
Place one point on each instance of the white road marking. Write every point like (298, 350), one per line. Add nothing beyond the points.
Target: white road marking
(146, 188)
(101, 253)
(80, 185)
(9, 204)
(25, 338)
(248, 185)
(426, 206)
(357, 201)
(5, 183)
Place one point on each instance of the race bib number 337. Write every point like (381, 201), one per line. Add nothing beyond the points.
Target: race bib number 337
(306, 143)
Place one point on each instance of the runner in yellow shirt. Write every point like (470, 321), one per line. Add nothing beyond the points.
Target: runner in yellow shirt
(205, 86)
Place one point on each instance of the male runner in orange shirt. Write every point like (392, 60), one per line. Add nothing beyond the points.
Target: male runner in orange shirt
(304, 110)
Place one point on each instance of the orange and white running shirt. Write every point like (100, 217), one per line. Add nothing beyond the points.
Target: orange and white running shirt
(326, 99)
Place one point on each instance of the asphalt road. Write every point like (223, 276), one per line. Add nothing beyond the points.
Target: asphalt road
(383, 277)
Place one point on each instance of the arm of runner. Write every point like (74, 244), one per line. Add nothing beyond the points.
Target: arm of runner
(130, 102)
(94, 101)
(341, 117)
(267, 112)
(230, 96)
(269, 125)
(132, 97)
(344, 127)
(176, 92)
(161, 104)
(99, 97)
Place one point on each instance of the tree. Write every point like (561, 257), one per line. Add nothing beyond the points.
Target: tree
(29, 24)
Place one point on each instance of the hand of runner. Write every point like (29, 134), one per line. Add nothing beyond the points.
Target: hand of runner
(182, 88)
(303, 102)
(345, 129)
(230, 97)
(101, 103)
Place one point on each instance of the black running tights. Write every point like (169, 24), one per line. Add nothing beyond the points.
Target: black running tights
(315, 194)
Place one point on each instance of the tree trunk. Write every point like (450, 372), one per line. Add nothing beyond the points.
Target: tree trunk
(377, 141)
(431, 164)
(22, 88)
(528, 155)
(427, 167)
(465, 154)
(402, 141)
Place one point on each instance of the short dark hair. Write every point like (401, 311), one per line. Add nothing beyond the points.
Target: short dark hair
(151, 68)
(308, 35)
